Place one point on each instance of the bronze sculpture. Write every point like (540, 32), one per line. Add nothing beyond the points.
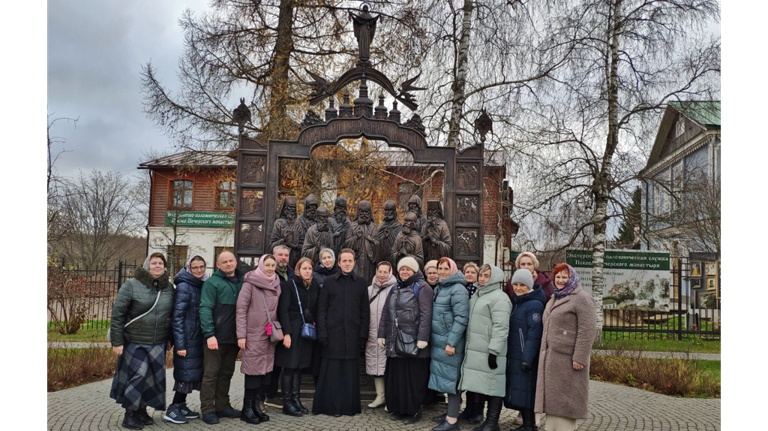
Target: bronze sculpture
(414, 204)
(286, 230)
(318, 236)
(408, 242)
(387, 232)
(361, 237)
(435, 235)
(364, 26)
(339, 223)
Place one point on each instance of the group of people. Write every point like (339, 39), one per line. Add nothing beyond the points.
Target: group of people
(423, 332)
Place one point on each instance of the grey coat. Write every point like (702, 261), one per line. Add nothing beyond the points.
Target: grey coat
(570, 326)
(450, 314)
(487, 332)
(414, 314)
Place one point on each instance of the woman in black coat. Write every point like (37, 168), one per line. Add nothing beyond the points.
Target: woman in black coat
(327, 266)
(295, 352)
(187, 339)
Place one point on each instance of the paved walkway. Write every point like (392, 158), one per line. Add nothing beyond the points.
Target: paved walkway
(611, 407)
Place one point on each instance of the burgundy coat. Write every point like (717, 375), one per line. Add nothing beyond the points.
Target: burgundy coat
(259, 355)
(542, 279)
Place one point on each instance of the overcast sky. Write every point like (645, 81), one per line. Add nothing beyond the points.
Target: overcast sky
(95, 52)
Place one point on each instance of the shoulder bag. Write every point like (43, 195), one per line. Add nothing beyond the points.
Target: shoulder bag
(109, 336)
(405, 344)
(274, 329)
(308, 330)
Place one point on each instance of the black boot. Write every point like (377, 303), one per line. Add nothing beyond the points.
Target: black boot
(529, 420)
(247, 414)
(479, 409)
(296, 393)
(494, 412)
(144, 417)
(256, 405)
(130, 420)
(286, 381)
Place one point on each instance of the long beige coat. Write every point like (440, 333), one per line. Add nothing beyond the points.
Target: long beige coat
(570, 325)
(376, 356)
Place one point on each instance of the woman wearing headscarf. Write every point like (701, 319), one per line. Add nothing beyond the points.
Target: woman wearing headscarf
(187, 339)
(140, 332)
(562, 387)
(430, 273)
(408, 310)
(485, 362)
(375, 355)
(327, 266)
(449, 323)
(473, 412)
(256, 309)
(298, 295)
(523, 347)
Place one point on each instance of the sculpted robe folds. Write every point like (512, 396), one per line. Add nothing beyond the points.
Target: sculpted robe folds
(386, 234)
(358, 240)
(315, 240)
(407, 245)
(339, 230)
(441, 244)
(285, 233)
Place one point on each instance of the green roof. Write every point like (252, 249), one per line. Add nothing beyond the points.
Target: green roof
(705, 112)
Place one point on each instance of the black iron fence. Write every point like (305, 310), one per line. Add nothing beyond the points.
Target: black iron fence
(688, 317)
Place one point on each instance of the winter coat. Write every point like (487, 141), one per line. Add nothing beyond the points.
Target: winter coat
(258, 358)
(320, 272)
(487, 333)
(450, 314)
(376, 356)
(300, 353)
(187, 334)
(414, 314)
(569, 330)
(542, 280)
(218, 299)
(343, 316)
(523, 346)
(134, 298)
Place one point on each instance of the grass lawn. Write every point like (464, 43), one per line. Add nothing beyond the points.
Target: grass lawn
(83, 334)
(692, 346)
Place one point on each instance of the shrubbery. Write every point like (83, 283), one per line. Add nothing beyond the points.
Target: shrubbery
(67, 296)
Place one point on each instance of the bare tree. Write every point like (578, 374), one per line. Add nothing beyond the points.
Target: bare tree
(586, 130)
(57, 228)
(105, 212)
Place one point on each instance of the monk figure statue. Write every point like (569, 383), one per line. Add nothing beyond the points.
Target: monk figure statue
(435, 235)
(361, 237)
(408, 241)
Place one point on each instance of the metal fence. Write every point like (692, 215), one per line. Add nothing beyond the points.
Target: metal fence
(686, 320)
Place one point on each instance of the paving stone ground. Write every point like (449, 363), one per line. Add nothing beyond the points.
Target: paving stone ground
(611, 407)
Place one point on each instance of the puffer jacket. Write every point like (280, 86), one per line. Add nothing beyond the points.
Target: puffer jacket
(450, 314)
(218, 298)
(187, 334)
(414, 314)
(134, 298)
(320, 272)
(487, 333)
(375, 355)
(523, 346)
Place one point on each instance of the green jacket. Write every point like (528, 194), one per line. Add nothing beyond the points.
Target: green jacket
(133, 299)
(487, 332)
(218, 299)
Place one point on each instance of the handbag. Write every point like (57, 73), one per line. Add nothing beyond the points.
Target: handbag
(308, 330)
(109, 335)
(405, 344)
(274, 329)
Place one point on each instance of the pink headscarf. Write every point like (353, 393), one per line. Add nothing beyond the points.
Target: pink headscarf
(261, 279)
(451, 263)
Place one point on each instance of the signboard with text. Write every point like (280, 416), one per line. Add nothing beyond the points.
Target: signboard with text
(200, 219)
(633, 278)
